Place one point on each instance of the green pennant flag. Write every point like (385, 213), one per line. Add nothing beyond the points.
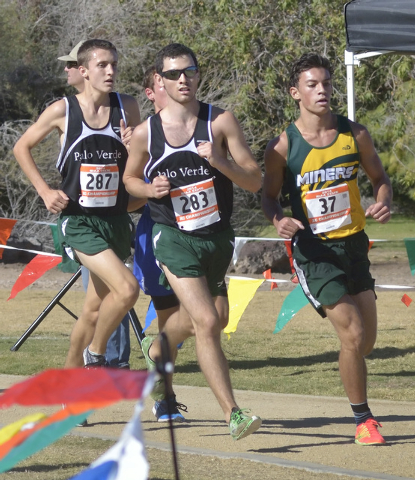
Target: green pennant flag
(56, 244)
(410, 250)
(293, 303)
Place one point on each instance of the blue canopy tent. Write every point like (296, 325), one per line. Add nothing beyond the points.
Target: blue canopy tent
(376, 27)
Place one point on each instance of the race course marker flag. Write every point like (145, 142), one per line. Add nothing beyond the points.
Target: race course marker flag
(81, 390)
(32, 271)
(77, 385)
(240, 292)
(35, 434)
(126, 460)
(150, 316)
(410, 250)
(6, 227)
(406, 300)
(292, 304)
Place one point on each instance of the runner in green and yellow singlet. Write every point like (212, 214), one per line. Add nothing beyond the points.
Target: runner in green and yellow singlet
(318, 156)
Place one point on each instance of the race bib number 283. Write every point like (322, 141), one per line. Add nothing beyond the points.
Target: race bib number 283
(195, 206)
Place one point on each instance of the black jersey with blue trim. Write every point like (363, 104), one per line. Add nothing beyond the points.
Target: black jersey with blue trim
(197, 188)
(92, 162)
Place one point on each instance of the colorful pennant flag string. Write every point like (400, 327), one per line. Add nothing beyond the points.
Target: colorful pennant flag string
(74, 385)
(406, 300)
(240, 293)
(81, 391)
(268, 276)
(151, 315)
(6, 227)
(32, 271)
(292, 304)
(126, 460)
(410, 250)
(35, 434)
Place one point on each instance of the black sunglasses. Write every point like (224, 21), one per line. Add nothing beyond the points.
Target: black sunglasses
(190, 72)
(70, 65)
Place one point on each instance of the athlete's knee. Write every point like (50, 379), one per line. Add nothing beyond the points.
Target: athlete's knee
(128, 293)
(209, 327)
(89, 314)
(353, 338)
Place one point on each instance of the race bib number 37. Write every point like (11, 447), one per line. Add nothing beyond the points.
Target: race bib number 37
(99, 185)
(195, 206)
(329, 208)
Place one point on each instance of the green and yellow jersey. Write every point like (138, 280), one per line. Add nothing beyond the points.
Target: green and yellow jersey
(322, 183)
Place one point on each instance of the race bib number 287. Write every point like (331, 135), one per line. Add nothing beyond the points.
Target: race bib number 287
(99, 185)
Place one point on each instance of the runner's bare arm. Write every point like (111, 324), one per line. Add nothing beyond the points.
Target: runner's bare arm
(52, 118)
(244, 170)
(275, 165)
(132, 112)
(134, 171)
(372, 165)
(135, 203)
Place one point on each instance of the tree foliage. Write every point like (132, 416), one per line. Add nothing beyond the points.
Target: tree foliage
(245, 49)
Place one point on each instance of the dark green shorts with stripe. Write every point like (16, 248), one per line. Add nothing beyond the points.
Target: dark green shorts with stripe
(329, 269)
(92, 234)
(191, 256)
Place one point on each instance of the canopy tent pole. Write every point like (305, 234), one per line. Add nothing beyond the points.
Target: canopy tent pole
(350, 60)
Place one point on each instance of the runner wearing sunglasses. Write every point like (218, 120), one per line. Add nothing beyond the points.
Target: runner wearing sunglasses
(183, 152)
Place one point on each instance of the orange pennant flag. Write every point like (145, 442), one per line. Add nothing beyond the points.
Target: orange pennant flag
(34, 270)
(6, 227)
(406, 300)
(370, 244)
(268, 275)
(290, 254)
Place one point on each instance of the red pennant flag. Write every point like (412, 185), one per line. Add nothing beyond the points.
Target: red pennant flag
(273, 285)
(406, 300)
(6, 227)
(77, 385)
(32, 271)
(290, 254)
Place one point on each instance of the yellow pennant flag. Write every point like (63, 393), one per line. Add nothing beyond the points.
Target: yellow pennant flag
(6, 433)
(240, 292)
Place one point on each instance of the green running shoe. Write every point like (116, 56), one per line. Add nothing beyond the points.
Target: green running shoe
(158, 392)
(242, 425)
